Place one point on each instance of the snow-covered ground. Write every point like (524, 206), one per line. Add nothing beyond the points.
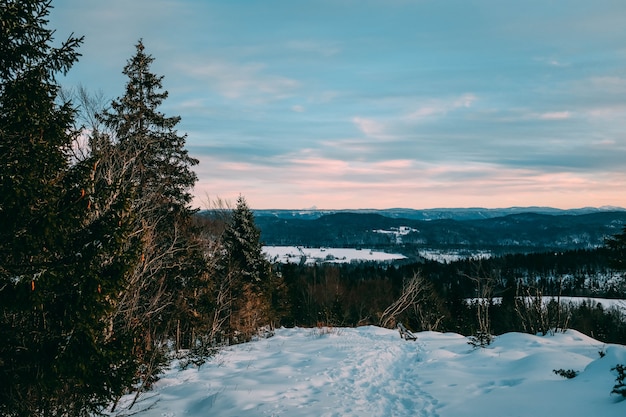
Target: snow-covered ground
(295, 254)
(593, 301)
(370, 371)
(447, 256)
(607, 303)
(397, 232)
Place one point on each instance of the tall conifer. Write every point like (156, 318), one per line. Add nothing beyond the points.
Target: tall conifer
(248, 274)
(61, 266)
(617, 247)
(157, 173)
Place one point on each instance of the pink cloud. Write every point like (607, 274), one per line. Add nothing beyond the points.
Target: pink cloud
(394, 164)
(308, 179)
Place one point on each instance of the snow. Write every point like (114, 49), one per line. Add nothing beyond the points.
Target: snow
(607, 303)
(449, 256)
(397, 232)
(370, 371)
(295, 254)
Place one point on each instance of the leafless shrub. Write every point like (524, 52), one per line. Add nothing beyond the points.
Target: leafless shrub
(413, 292)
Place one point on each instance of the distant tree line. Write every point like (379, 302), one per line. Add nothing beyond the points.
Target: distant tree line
(519, 233)
(509, 293)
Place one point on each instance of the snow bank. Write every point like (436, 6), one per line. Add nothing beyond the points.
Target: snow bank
(369, 371)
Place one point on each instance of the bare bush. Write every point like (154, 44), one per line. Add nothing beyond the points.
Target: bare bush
(413, 293)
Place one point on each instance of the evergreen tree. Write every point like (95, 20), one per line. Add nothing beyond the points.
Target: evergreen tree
(248, 274)
(617, 249)
(162, 165)
(61, 264)
(242, 242)
(156, 171)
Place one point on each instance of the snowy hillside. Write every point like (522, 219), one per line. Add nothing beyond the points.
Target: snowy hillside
(310, 256)
(370, 371)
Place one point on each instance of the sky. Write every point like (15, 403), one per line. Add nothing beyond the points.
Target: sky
(344, 104)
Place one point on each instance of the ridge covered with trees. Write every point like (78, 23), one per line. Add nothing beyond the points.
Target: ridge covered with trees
(510, 233)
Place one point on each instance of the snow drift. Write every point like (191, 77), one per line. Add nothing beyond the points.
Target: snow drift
(370, 371)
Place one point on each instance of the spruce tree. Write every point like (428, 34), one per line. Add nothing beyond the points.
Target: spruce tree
(242, 241)
(156, 171)
(248, 273)
(161, 164)
(61, 264)
(617, 250)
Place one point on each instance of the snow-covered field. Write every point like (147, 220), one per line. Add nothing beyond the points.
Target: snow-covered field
(593, 301)
(370, 371)
(607, 303)
(443, 256)
(297, 254)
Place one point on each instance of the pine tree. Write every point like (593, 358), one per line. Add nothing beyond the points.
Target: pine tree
(61, 265)
(156, 171)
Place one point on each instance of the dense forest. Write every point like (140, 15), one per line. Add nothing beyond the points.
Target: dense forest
(515, 289)
(510, 233)
(106, 271)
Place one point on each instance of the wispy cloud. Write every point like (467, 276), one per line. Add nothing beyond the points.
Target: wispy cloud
(556, 115)
(553, 62)
(612, 84)
(608, 113)
(369, 127)
(325, 49)
(235, 81)
(323, 103)
(442, 107)
(315, 179)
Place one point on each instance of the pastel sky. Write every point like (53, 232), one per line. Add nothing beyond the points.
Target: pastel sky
(345, 104)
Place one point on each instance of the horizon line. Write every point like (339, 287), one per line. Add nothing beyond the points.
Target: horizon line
(600, 208)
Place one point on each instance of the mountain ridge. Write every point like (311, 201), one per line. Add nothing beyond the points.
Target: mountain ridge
(517, 231)
(455, 213)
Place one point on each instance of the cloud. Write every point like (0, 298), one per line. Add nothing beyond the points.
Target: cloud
(616, 112)
(323, 104)
(427, 111)
(326, 96)
(557, 63)
(394, 164)
(314, 47)
(442, 107)
(369, 127)
(558, 115)
(611, 84)
(334, 183)
(466, 101)
(553, 62)
(236, 81)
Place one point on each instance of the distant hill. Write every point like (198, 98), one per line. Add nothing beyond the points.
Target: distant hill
(472, 213)
(502, 230)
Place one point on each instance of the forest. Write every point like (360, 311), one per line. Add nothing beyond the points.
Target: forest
(107, 272)
(509, 233)
(518, 292)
